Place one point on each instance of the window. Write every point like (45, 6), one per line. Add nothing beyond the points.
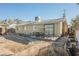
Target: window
(49, 29)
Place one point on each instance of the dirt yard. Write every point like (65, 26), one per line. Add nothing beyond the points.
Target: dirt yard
(9, 48)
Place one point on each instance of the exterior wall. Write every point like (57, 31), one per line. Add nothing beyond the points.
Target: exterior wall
(24, 29)
(65, 28)
(54, 29)
(30, 29)
(4, 28)
(38, 28)
(20, 29)
(58, 29)
(61, 26)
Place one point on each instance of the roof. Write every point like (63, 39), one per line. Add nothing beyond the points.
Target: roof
(54, 20)
(49, 21)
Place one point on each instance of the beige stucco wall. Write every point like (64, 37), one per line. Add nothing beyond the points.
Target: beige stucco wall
(61, 27)
(38, 28)
(58, 29)
(30, 28)
(24, 29)
(27, 29)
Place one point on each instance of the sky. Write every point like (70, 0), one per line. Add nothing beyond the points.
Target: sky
(28, 11)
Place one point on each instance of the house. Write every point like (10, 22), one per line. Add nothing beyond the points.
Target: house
(50, 27)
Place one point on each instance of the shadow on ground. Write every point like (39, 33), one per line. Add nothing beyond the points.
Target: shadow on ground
(16, 39)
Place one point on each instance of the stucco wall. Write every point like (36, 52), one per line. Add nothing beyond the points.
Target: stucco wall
(42, 28)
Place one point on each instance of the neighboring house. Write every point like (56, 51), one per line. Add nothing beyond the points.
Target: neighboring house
(2, 30)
